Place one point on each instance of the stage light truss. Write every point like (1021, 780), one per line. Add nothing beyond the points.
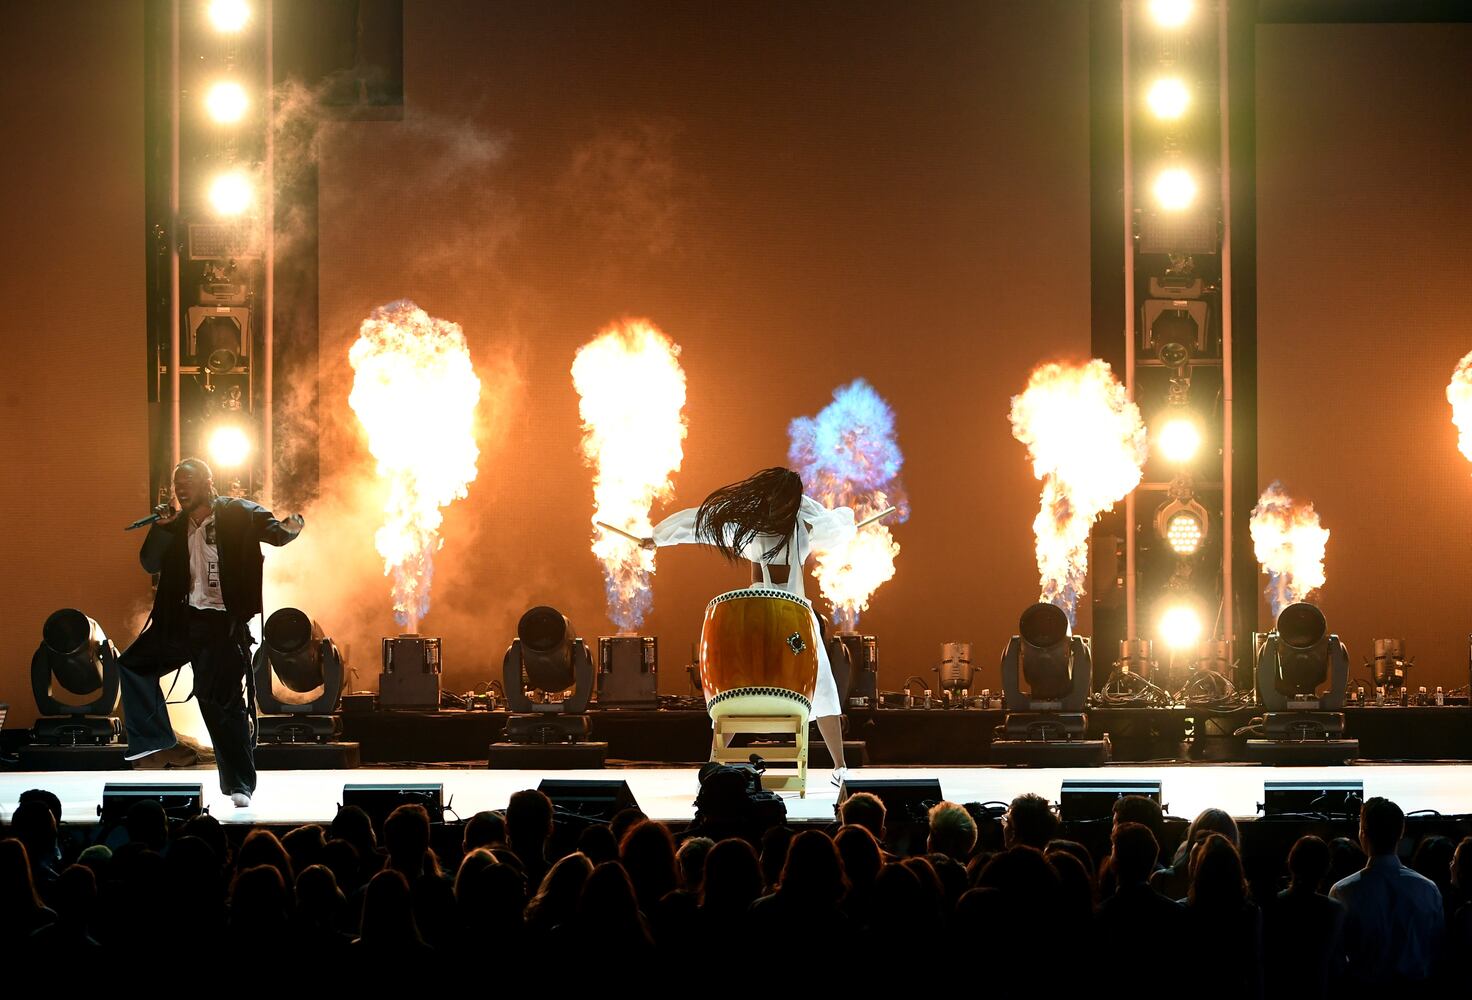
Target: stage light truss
(1176, 540)
(217, 215)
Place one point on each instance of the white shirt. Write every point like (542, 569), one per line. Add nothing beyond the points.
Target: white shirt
(1395, 921)
(204, 566)
(818, 527)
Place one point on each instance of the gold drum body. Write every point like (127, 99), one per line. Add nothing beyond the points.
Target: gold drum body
(758, 654)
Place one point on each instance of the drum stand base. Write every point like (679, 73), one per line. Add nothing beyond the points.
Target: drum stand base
(792, 750)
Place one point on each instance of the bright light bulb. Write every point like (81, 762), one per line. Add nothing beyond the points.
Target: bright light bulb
(228, 446)
(1180, 627)
(1168, 97)
(1170, 13)
(229, 16)
(231, 193)
(226, 102)
(1183, 534)
(1178, 439)
(1175, 189)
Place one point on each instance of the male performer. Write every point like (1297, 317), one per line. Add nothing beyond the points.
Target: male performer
(207, 555)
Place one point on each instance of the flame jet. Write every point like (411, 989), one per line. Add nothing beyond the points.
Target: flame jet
(632, 398)
(1289, 543)
(1459, 394)
(849, 456)
(1087, 444)
(415, 393)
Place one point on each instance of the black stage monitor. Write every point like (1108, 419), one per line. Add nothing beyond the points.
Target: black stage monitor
(1313, 798)
(1094, 799)
(180, 801)
(381, 799)
(595, 800)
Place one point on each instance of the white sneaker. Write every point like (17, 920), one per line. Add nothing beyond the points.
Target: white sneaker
(241, 800)
(839, 774)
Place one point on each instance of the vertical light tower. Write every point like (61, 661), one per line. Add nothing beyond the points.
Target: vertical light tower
(208, 330)
(1176, 592)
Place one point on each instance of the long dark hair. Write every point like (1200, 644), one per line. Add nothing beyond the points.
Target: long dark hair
(765, 504)
(1217, 881)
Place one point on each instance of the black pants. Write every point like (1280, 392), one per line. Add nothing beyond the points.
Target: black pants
(218, 650)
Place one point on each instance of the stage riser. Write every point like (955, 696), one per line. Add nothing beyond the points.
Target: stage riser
(891, 738)
(917, 737)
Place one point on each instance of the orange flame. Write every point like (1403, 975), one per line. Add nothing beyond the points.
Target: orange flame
(1087, 444)
(632, 391)
(1289, 543)
(851, 573)
(415, 393)
(1459, 394)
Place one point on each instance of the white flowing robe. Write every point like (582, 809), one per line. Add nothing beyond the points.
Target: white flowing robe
(818, 529)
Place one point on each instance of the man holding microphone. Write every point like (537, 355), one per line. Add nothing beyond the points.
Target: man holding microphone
(207, 555)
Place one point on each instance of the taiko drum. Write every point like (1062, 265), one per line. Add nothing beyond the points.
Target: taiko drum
(758, 654)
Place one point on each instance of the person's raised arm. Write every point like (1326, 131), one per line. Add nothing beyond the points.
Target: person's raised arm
(160, 536)
(677, 529)
(828, 528)
(273, 532)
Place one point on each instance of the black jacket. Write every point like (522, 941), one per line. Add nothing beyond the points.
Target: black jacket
(240, 528)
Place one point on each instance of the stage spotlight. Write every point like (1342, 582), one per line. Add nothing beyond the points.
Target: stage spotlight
(1293, 661)
(1175, 189)
(1179, 439)
(1183, 524)
(226, 102)
(1183, 533)
(547, 675)
(1180, 627)
(549, 654)
(75, 653)
(229, 16)
(299, 653)
(1303, 642)
(1168, 98)
(1046, 725)
(1045, 652)
(218, 339)
(231, 193)
(1170, 13)
(295, 652)
(228, 445)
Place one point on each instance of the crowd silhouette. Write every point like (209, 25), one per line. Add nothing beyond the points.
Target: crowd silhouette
(1007, 899)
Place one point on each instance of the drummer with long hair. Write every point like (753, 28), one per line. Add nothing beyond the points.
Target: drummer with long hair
(766, 521)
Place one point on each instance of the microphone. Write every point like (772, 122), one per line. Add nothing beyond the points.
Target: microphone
(144, 521)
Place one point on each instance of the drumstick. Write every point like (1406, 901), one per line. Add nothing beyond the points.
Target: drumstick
(875, 517)
(619, 531)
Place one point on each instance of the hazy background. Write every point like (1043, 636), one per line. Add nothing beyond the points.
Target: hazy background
(797, 195)
(1364, 241)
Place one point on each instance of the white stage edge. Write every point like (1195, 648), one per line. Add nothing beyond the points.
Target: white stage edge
(668, 793)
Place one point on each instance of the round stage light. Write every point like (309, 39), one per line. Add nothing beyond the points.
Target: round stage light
(1168, 98)
(228, 447)
(231, 193)
(229, 16)
(1179, 439)
(1170, 13)
(1184, 533)
(1175, 189)
(226, 102)
(1180, 627)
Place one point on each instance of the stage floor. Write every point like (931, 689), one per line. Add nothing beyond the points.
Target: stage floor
(668, 793)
